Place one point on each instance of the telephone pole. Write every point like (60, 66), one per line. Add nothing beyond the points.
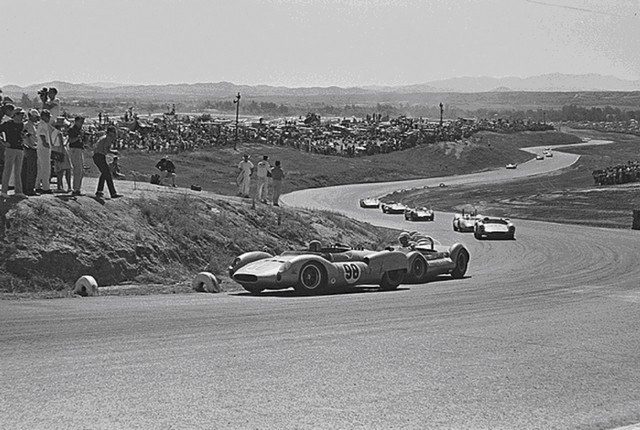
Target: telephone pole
(237, 102)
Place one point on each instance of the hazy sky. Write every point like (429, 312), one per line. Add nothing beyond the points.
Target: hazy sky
(298, 43)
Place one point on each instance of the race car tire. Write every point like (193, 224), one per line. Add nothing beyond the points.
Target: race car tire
(391, 279)
(312, 279)
(462, 263)
(418, 268)
(477, 235)
(206, 282)
(455, 228)
(86, 286)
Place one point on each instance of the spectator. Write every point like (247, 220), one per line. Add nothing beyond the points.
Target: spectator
(13, 132)
(263, 172)
(167, 170)
(76, 154)
(30, 149)
(277, 175)
(53, 103)
(245, 168)
(45, 131)
(103, 147)
(115, 168)
(60, 154)
(6, 115)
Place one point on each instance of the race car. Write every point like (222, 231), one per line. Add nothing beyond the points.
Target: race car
(494, 228)
(539, 157)
(393, 208)
(370, 203)
(419, 214)
(512, 166)
(547, 154)
(427, 258)
(465, 221)
(319, 270)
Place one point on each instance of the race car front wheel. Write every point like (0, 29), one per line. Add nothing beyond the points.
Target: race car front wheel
(462, 262)
(312, 279)
(391, 279)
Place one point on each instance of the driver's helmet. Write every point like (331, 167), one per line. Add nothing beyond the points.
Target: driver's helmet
(315, 246)
(404, 238)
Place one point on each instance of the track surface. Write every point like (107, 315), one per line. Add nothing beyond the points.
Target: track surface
(542, 333)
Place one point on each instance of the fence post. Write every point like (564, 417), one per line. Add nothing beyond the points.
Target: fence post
(636, 220)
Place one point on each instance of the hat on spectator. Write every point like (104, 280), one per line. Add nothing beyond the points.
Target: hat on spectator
(246, 156)
(34, 112)
(265, 157)
(18, 111)
(45, 112)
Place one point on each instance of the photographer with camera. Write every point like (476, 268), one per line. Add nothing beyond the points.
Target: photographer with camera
(50, 101)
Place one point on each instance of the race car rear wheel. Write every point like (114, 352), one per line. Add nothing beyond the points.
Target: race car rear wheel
(418, 269)
(462, 262)
(391, 279)
(312, 279)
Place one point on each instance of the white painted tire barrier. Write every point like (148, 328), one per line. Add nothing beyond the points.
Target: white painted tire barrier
(206, 282)
(86, 286)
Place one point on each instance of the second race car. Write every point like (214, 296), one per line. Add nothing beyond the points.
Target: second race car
(494, 228)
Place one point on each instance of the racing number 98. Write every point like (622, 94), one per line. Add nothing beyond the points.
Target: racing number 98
(351, 272)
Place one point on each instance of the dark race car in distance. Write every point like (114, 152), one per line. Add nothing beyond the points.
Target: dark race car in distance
(494, 228)
(419, 214)
(393, 208)
(465, 221)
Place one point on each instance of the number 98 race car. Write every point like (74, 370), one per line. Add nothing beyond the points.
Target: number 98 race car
(318, 270)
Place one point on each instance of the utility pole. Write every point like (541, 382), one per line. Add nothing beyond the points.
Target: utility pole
(237, 102)
(441, 111)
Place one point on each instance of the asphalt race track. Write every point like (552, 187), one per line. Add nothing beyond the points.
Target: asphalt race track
(543, 333)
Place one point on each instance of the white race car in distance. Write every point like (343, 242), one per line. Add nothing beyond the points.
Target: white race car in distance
(465, 221)
(512, 166)
(370, 203)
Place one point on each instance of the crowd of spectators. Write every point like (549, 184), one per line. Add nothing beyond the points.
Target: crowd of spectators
(619, 174)
(630, 126)
(337, 136)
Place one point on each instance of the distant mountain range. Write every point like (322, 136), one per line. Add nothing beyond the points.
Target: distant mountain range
(555, 82)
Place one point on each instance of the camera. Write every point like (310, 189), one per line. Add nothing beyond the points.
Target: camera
(43, 93)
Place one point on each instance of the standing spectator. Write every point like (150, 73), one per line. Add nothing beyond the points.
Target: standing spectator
(62, 165)
(277, 174)
(30, 149)
(263, 172)
(53, 103)
(6, 115)
(13, 132)
(167, 170)
(245, 168)
(103, 147)
(76, 154)
(44, 130)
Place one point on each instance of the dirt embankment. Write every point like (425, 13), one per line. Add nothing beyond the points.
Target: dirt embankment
(153, 235)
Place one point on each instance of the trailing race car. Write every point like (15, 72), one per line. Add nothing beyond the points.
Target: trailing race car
(465, 221)
(370, 203)
(428, 258)
(539, 157)
(318, 270)
(419, 214)
(393, 208)
(494, 228)
(547, 154)
(512, 165)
